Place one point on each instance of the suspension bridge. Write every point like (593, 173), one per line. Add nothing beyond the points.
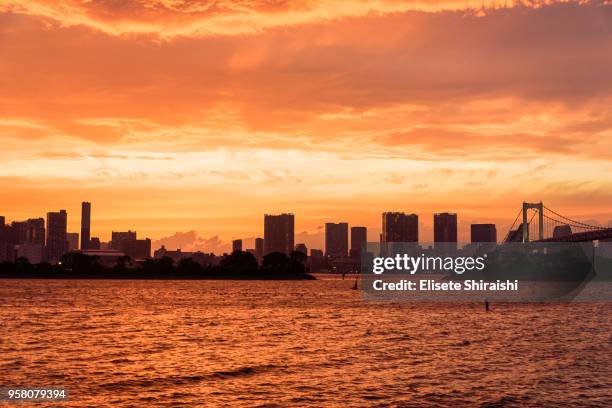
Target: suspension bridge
(537, 223)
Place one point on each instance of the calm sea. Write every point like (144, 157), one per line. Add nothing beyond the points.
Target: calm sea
(304, 344)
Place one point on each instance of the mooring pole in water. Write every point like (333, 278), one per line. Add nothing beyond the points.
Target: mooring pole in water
(486, 305)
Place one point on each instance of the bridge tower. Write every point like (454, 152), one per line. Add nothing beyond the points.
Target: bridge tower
(539, 207)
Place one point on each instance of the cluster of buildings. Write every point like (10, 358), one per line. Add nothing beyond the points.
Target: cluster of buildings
(41, 241)
(343, 245)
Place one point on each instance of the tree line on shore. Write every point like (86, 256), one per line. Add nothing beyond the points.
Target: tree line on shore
(237, 265)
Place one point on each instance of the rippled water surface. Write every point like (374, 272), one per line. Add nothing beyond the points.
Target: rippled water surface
(307, 343)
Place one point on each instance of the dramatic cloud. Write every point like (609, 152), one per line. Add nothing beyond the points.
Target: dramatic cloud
(167, 19)
(191, 242)
(220, 111)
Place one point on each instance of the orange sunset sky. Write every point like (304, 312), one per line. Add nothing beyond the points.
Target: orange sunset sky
(191, 119)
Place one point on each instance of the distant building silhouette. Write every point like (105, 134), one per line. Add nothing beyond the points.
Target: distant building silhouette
(178, 255)
(35, 233)
(30, 231)
(137, 248)
(316, 253)
(72, 241)
(445, 229)
(561, 231)
(56, 235)
(359, 238)
(302, 248)
(400, 227)
(128, 243)
(483, 233)
(515, 235)
(259, 249)
(94, 244)
(4, 240)
(317, 260)
(236, 245)
(85, 224)
(34, 253)
(278, 233)
(18, 232)
(105, 257)
(118, 237)
(336, 239)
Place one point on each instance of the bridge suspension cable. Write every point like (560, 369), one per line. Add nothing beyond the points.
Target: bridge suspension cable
(511, 230)
(546, 227)
(571, 222)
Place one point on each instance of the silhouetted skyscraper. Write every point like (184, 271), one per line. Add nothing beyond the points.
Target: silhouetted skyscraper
(85, 224)
(336, 239)
(4, 240)
(56, 235)
(483, 233)
(259, 248)
(31, 231)
(19, 232)
(400, 227)
(302, 248)
(359, 238)
(35, 231)
(236, 245)
(445, 228)
(278, 233)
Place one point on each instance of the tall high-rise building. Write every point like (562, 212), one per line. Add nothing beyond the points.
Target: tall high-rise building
(445, 228)
(25, 239)
(4, 240)
(85, 224)
(31, 231)
(359, 238)
(19, 232)
(279, 233)
(56, 235)
(35, 231)
(483, 233)
(236, 245)
(336, 239)
(400, 227)
(259, 249)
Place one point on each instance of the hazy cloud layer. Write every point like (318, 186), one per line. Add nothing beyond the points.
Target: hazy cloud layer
(328, 109)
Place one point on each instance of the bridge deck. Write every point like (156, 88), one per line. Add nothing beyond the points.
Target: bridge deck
(595, 235)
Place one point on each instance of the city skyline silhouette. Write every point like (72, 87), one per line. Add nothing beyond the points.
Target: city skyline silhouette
(334, 238)
(174, 122)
